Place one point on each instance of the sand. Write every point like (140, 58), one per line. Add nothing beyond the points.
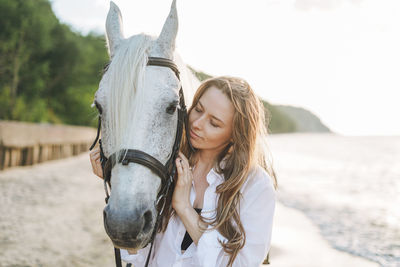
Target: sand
(52, 216)
(296, 242)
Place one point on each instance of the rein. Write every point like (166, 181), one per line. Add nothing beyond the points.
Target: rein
(165, 172)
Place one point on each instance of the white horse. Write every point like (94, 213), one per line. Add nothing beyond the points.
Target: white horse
(134, 99)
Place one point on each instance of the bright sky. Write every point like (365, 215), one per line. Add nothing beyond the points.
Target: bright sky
(340, 59)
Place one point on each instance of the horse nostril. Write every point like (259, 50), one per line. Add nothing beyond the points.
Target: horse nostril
(148, 218)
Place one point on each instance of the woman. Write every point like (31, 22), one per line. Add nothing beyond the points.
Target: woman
(224, 197)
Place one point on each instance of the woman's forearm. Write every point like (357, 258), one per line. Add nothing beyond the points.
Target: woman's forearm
(192, 223)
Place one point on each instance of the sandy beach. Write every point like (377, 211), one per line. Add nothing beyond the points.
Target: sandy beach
(296, 242)
(52, 216)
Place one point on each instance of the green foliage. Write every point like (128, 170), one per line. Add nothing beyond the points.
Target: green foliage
(33, 110)
(277, 121)
(199, 74)
(48, 73)
(305, 120)
(5, 105)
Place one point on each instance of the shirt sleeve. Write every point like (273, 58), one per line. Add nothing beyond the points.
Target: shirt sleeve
(256, 213)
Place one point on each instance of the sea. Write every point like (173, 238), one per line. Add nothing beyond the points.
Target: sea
(349, 186)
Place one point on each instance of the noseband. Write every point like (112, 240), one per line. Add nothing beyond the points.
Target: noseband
(125, 156)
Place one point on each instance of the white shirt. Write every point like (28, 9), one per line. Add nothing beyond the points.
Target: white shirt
(256, 214)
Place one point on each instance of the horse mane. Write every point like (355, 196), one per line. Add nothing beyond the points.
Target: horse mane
(126, 77)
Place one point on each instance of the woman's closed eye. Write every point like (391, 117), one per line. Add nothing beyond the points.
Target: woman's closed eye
(213, 124)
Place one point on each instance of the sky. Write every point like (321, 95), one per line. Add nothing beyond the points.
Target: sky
(339, 59)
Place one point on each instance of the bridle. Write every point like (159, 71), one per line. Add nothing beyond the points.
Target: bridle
(125, 156)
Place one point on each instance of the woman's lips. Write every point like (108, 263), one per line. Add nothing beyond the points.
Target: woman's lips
(192, 134)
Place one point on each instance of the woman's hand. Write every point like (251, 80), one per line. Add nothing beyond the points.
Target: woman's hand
(95, 161)
(181, 195)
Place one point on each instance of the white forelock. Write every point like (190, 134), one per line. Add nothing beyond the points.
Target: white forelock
(125, 79)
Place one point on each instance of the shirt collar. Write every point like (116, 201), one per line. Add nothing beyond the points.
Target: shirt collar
(214, 177)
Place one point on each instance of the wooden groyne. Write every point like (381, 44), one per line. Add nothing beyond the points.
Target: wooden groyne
(23, 143)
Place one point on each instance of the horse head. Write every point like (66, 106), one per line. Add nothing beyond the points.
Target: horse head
(139, 110)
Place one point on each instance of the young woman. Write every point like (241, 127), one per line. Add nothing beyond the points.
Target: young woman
(224, 197)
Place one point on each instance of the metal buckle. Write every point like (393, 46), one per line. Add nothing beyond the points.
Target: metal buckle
(124, 160)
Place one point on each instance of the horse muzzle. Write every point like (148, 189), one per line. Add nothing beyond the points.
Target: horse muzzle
(131, 229)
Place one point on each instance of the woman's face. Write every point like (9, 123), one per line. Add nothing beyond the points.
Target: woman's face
(211, 120)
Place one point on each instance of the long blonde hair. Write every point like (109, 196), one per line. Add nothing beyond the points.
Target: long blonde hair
(247, 150)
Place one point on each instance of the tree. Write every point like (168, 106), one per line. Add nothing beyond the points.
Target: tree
(47, 72)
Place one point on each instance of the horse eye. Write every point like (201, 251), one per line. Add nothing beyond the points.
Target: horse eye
(172, 107)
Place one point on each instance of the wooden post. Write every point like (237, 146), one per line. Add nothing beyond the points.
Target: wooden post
(29, 160)
(15, 157)
(2, 155)
(23, 152)
(45, 153)
(35, 154)
(7, 157)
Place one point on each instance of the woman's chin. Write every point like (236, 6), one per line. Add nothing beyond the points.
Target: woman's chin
(193, 142)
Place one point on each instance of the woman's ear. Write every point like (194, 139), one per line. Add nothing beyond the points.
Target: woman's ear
(230, 148)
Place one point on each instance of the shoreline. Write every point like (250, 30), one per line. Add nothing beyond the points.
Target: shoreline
(297, 242)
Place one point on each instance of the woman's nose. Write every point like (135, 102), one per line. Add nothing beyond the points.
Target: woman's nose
(198, 123)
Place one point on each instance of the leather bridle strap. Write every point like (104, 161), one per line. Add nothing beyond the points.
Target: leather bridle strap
(163, 62)
(127, 156)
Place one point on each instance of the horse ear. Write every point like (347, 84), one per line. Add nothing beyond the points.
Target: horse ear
(167, 37)
(114, 28)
